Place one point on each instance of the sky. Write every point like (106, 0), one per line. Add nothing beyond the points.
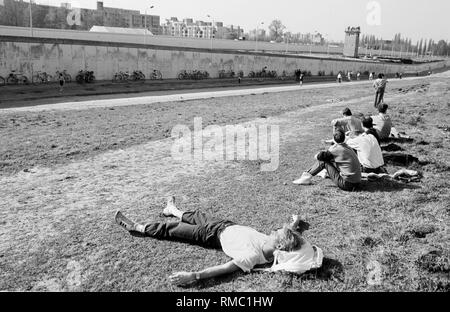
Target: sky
(414, 19)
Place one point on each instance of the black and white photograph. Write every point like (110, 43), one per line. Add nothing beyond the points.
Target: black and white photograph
(253, 148)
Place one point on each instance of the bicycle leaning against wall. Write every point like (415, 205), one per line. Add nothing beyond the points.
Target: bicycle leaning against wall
(17, 78)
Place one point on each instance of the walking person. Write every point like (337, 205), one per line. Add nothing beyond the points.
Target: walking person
(339, 77)
(62, 82)
(349, 76)
(358, 76)
(371, 76)
(301, 79)
(247, 247)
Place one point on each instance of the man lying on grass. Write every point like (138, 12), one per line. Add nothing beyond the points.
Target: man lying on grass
(246, 246)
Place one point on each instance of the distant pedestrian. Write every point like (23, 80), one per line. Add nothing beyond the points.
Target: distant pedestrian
(371, 76)
(298, 72)
(339, 77)
(349, 76)
(358, 76)
(400, 75)
(62, 81)
(301, 79)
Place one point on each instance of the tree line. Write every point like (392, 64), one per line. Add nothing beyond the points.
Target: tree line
(399, 44)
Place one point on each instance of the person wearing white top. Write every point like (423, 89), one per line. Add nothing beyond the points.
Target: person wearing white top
(368, 150)
(246, 246)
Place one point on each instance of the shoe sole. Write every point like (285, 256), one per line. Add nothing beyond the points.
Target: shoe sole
(122, 221)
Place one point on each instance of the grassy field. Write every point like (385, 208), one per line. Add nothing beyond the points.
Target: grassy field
(63, 174)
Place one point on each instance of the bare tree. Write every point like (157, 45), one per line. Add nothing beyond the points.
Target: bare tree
(276, 29)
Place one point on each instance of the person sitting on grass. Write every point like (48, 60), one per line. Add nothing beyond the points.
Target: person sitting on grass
(368, 149)
(367, 123)
(340, 162)
(288, 250)
(350, 124)
(382, 123)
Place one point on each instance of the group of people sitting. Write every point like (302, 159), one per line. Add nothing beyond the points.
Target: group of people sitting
(356, 150)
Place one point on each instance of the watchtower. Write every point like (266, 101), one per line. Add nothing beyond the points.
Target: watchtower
(351, 44)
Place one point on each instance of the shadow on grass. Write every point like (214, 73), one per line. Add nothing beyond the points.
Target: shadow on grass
(384, 185)
(331, 269)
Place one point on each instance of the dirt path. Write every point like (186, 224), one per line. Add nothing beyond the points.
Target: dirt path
(144, 100)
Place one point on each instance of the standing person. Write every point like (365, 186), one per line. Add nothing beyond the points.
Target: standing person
(358, 76)
(349, 76)
(62, 81)
(286, 248)
(340, 162)
(371, 76)
(339, 77)
(301, 79)
(297, 74)
(379, 85)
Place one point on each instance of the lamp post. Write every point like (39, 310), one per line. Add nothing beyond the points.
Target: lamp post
(327, 40)
(31, 19)
(145, 24)
(256, 36)
(212, 30)
(287, 43)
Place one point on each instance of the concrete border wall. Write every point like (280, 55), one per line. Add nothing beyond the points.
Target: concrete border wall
(32, 54)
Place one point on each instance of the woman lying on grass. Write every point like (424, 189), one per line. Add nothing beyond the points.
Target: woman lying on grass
(247, 247)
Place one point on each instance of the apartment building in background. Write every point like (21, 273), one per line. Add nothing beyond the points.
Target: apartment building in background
(16, 13)
(200, 29)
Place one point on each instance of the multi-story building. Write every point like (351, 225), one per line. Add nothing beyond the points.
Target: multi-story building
(199, 29)
(116, 17)
(15, 13)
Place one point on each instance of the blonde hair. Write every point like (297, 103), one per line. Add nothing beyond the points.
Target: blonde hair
(291, 239)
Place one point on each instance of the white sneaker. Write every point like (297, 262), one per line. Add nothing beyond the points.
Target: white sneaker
(323, 174)
(304, 180)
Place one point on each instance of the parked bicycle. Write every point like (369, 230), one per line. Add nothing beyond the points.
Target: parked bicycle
(17, 78)
(195, 75)
(2, 81)
(226, 74)
(137, 75)
(156, 75)
(67, 77)
(121, 76)
(41, 77)
(126, 76)
(286, 75)
(85, 76)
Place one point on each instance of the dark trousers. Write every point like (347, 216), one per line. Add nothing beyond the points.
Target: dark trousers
(334, 175)
(195, 227)
(379, 96)
(371, 170)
